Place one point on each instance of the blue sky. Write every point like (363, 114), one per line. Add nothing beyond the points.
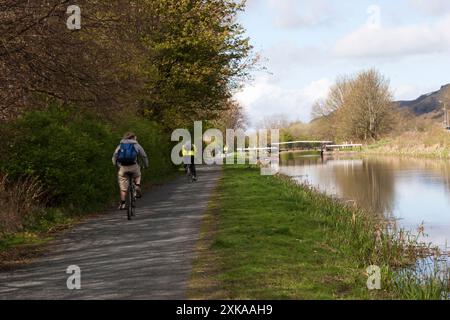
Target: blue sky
(307, 44)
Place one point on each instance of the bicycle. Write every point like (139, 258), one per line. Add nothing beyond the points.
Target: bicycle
(131, 198)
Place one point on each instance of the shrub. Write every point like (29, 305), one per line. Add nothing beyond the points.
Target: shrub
(70, 153)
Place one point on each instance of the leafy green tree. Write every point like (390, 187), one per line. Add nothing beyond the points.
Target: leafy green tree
(199, 56)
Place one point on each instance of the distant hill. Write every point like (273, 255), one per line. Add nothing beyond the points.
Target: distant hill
(427, 104)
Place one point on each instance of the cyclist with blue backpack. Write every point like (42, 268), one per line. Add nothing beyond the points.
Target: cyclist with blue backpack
(125, 157)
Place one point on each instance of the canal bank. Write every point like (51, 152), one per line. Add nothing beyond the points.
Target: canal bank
(432, 143)
(266, 237)
(413, 193)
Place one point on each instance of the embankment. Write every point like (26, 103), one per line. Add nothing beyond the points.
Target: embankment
(265, 237)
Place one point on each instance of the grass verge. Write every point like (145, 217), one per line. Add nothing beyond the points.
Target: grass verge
(265, 237)
(22, 247)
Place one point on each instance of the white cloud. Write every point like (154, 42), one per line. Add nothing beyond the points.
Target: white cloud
(433, 7)
(369, 42)
(264, 99)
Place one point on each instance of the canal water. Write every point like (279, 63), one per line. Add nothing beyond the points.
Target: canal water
(409, 191)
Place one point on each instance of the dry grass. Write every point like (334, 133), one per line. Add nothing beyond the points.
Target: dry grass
(19, 199)
(434, 142)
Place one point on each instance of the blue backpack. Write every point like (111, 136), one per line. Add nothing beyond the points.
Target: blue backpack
(127, 154)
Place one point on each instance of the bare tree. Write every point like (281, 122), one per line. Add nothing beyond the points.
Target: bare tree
(360, 107)
(232, 116)
(41, 58)
(368, 111)
(276, 121)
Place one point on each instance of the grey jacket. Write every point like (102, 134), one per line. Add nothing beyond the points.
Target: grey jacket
(140, 151)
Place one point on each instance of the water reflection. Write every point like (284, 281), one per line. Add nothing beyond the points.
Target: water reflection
(411, 191)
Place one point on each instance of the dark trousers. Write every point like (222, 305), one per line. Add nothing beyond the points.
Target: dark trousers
(192, 167)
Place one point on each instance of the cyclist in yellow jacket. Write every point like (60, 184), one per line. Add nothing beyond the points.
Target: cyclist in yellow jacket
(189, 151)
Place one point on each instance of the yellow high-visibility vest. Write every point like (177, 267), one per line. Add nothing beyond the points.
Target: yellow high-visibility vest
(191, 152)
